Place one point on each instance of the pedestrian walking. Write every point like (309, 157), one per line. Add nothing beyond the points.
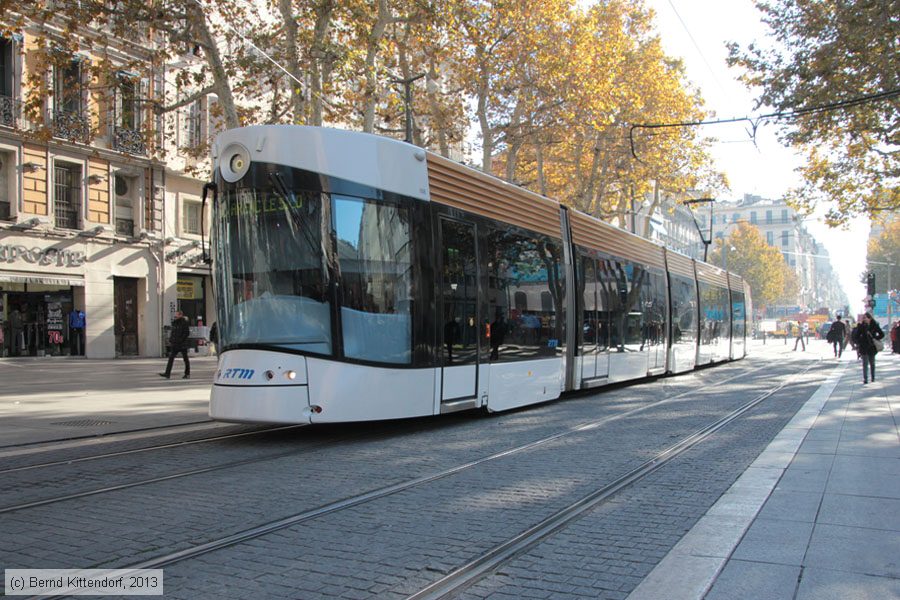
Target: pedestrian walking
(895, 338)
(178, 344)
(800, 339)
(836, 336)
(868, 336)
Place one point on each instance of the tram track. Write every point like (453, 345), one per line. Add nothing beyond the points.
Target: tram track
(485, 562)
(270, 457)
(181, 444)
(489, 561)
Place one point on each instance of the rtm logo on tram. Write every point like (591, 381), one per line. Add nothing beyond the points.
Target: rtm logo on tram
(238, 373)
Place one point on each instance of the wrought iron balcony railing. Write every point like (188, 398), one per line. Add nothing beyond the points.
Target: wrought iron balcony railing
(10, 111)
(71, 125)
(128, 140)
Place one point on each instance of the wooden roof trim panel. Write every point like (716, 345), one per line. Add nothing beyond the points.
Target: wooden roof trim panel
(470, 190)
(679, 264)
(710, 274)
(590, 233)
(735, 282)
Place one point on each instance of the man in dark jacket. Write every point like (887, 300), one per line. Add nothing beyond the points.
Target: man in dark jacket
(836, 336)
(178, 344)
(866, 333)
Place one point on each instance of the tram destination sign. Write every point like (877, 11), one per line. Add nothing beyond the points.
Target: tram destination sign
(10, 253)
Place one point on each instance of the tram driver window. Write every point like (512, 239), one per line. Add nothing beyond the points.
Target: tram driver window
(373, 247)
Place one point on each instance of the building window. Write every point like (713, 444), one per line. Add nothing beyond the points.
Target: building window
(190, 217)
(9, 108)
(66, 195)
(753, 217)
(124, 189)
(770, 238)
(67, 87)
(784, 237)
(194, 129)
(768, 217)
(784, 215)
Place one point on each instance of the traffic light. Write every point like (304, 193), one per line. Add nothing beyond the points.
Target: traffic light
(870, 284)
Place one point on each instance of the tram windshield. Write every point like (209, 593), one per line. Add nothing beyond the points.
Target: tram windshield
(272, 278)
(278, 246)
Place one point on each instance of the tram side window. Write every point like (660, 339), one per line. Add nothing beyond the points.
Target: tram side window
(526, 292)
(738, 314)
(654, 308)
(684, 309)
(714, 313)
(374, 252)
(623, 283)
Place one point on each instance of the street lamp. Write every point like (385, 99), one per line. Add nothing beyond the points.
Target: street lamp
(706, 241)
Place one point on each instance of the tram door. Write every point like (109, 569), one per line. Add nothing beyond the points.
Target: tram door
(459, 318)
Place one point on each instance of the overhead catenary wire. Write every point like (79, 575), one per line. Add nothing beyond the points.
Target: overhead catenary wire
(697, 47)
(779, 115)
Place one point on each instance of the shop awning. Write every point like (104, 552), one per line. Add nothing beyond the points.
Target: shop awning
(50, 279)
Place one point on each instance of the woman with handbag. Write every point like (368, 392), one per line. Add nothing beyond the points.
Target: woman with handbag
(868, 342)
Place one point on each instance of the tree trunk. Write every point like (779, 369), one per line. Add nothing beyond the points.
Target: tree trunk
(221, 83)
(320, 71)
(286, 8)
(373, 42)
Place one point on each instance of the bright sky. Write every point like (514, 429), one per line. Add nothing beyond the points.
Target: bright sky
(696, 31)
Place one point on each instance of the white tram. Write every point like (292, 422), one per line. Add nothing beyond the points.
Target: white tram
(359, 278)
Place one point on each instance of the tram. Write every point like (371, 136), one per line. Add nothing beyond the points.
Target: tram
(361, 278)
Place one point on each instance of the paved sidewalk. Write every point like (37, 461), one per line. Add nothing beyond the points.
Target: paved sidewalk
(50, 399)
(817, 515)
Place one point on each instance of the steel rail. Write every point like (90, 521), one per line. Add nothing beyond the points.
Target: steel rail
(235, 464)
(487, 562)
(69, 461)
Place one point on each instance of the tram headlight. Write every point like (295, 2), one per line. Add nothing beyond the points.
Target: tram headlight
(235, 162)
(291, 375)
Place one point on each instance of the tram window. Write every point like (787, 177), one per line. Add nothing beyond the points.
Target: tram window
(273, 281)
(737, 314)
(526, 287)
(713, 313)
(684, 310)
(623, 283)
(373, 246)
(589, 320)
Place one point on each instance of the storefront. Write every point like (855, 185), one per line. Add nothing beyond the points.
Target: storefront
(194, 300)
(39, 318)
(67, 296)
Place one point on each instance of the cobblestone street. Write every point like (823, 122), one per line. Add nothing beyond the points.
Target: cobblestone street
(385, 510)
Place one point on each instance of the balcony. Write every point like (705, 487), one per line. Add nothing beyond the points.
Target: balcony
(129, 141)
(71, 125)
(10, 111)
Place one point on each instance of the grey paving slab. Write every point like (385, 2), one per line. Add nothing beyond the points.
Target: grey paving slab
(742, 580)
(790, 505)
(855, 549)
(824, 584)
(865, 477)
(804, 479)
(860, 511)
(775, 541)
(819, 446)
(50, 399)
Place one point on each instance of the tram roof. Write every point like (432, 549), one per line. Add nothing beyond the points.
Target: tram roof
(396, 166)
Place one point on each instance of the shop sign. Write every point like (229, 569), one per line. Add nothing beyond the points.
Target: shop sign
(41, 256)
(187, 289)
